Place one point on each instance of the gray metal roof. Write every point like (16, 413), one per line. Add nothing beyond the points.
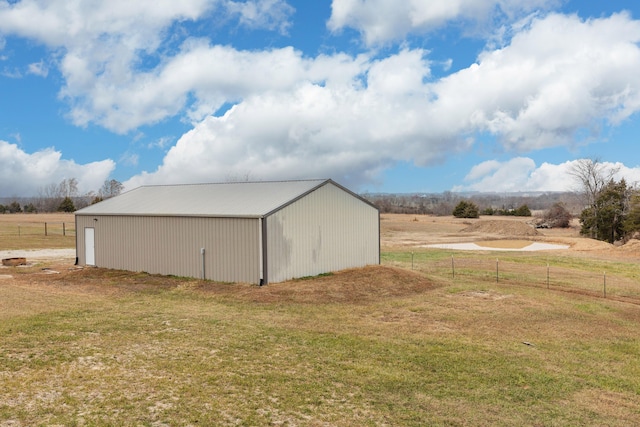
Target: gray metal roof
(234, 199)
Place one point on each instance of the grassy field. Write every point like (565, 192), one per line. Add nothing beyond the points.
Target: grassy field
(380, 346)
(617, 279)
(37, 231)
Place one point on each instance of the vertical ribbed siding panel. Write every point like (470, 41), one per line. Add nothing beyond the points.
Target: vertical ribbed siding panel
(171, 245)
(327, 230)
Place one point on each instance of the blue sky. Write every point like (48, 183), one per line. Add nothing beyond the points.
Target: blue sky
(380, 95)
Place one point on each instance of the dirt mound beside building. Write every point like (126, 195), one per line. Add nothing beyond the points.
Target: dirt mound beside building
(353, 286)
(503, 228)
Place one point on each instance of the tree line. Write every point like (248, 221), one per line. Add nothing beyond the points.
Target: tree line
(62, 197)
(444, 204)
(608, 209)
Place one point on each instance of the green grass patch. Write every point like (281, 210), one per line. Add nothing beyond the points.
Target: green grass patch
(593, 276)
(329, 274)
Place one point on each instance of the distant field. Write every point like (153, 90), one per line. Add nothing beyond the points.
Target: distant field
(405, 343)
(27, 231)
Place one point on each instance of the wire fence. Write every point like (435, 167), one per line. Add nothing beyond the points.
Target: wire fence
(38, 229)
(611, 282)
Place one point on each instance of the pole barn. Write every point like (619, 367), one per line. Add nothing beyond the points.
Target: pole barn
(253, 232)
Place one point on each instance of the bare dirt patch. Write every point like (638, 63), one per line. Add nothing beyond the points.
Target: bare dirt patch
(414, 231)
(631, 248)
(503, 228)
(484, 295)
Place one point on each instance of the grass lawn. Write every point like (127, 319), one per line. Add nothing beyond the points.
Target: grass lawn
(376, 346)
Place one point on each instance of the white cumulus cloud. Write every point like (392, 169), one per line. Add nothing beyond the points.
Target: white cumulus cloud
(100, 46)
(346, 116)
(557, 77)
(522, 174)
(382, 21)
(24, 174)
(266, 14)
(530, 94)
(39, 69)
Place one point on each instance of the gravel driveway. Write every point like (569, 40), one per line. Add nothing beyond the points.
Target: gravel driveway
(39, 254)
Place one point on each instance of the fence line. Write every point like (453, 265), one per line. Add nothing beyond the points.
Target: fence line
(38, 229)
(545, 275)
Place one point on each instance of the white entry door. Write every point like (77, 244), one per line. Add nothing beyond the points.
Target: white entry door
(89, 246)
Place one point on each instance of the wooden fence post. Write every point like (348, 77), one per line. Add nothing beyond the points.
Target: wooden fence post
(453, 268)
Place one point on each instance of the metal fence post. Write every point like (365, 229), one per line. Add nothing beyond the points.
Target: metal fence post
(547, 275)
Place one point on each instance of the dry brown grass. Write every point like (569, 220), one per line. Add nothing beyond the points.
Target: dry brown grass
(501, 227)
(27, 231)
(382, 345)
(41, 218)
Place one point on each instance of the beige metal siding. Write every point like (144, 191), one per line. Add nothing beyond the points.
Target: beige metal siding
(171, 245)
(327, 230)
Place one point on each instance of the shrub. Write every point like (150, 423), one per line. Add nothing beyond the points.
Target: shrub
(522, 211)
(14, 207)
(557, 216)
(466, 209)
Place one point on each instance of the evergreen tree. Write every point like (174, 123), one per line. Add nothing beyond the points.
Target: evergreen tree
(522, 211)
(14, 207)
(67, 205)
(466, 209)
(605, 219)
(632, 220)
(30, 208)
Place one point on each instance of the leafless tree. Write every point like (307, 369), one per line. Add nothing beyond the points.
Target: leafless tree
(239, 177)
(68, 187)
(592, 176)
(110, 188)
(48, 198)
